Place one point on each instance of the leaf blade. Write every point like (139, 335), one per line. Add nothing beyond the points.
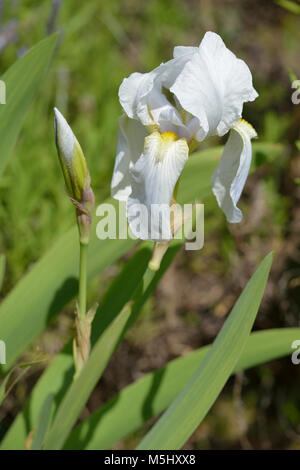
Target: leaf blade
(154, 392)
(22, 81)
(43, 423)
(186, 412)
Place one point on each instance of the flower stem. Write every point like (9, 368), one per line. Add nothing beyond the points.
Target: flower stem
(82, 280)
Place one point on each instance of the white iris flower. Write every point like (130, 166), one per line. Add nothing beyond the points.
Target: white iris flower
(200, 92)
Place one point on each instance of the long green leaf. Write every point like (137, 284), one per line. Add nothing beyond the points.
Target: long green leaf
(79, 392)
(194, 401)
(154, 392)
(58, 376)
(52, 282)
(43, 423)
(22, 81)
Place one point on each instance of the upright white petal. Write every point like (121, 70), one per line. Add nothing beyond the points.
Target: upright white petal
(184, 51)
(154, 176)
(136, 93)
(132, 91)
(213, 86)
(143, 97)
(230, 176)
(130, 146)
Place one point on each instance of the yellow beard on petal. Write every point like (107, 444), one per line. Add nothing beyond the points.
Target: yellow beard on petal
(248, 128)
(169, 136)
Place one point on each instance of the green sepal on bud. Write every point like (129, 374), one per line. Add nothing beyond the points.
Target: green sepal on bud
(76, 174)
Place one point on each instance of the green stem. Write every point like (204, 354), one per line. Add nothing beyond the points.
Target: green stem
(82, 280)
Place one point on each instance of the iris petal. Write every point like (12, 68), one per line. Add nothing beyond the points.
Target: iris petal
(154, 177)
(230, 175)
(130, 146)
(213, 86)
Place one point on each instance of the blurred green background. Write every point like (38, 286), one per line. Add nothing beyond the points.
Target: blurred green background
(101, 43)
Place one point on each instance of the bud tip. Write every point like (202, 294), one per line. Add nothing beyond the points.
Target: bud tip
(64, 136)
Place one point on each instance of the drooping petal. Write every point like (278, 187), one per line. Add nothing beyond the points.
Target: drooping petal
(213, 86)
(230, 176)
(154, 176)
(130, 146)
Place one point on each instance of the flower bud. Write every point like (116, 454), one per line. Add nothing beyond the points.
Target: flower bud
(76, 174)
(71, 157)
